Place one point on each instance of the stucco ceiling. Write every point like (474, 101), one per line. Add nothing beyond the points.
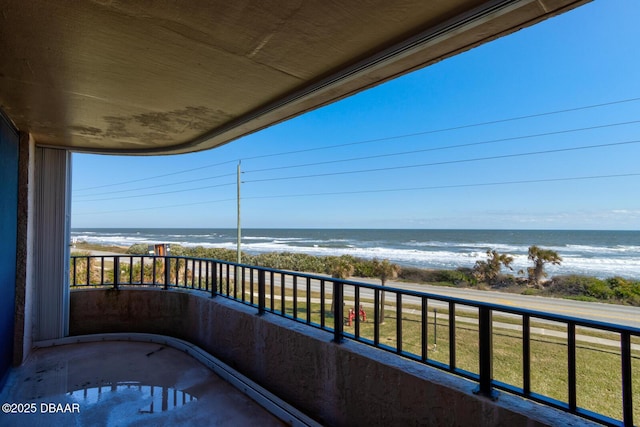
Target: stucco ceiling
(165, 76)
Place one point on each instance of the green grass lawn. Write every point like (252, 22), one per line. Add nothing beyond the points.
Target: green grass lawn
(597, 366)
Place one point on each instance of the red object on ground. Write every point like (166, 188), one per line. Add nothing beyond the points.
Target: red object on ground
(352, 315)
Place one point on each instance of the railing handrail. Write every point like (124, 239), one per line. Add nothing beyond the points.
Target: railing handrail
(578, 321)
(485, 311)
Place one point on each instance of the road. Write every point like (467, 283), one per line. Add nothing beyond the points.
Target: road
(611, 313)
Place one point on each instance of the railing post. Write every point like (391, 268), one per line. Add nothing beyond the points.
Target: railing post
(154, 280)
(261, 291)
(485, 333)
(398, 323)
(322, 303)
(526, 355)
(271, 282)
(571, 368)
(424, 336)
(116, 272)
(627, 386)
(338, 312)
(75, 271)
(376, 317)
(167, 272)
(214, 280)
(452, 336)
(88, 271)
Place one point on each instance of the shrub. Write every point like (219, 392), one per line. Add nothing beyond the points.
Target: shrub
(598, 289)
(364, 268)
(575, 285)
(80, 253)
(625, 290)
(138, 249)
(418, 275)
(289, 261)
(459, 277)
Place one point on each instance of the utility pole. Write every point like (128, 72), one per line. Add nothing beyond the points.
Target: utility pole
(239, 254)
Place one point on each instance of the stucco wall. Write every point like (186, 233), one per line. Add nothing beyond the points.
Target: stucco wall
(337, 384)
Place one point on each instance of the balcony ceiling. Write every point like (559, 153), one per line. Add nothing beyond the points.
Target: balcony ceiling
(164, 76)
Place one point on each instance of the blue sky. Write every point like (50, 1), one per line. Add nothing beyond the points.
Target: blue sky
(578, 169)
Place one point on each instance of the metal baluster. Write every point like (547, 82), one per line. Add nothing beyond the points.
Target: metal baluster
(452, 336)
(167, 272)
(282, 295)
(398, 322)
(153, 271)
(75, 271)
(571, 361)
(424, 339)
(295, 297)
(376, 317)
(627, 389)
(308, 300)
(526, 354)
(88, 271)
(357, 307)
(322, 304)
(261, 291)
(338, 312)
(116, 272)
(271, 287)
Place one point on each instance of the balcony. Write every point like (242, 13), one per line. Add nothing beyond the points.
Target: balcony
(279, 328)
(123, 379)
(74, 84)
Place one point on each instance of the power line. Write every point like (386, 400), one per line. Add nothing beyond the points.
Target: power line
(157, 207)
(328, 147)
(155, 176)
(427, 132)
(477, 159)
(441, 187)
(156, 194)
(423, 150)
(334, 193)
(375, 169)
(161, 185)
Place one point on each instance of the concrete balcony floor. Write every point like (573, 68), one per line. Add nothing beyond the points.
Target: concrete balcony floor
(120, 383)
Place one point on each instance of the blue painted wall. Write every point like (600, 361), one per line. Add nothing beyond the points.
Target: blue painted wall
(8, 236)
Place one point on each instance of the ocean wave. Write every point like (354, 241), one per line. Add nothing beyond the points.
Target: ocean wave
(604, 249)
(268, 238)
(596, 259)
(482, 246)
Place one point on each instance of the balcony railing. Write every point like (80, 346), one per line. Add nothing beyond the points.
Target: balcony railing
(569, 363)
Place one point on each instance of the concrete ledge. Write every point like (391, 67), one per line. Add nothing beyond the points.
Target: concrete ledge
(337, 384)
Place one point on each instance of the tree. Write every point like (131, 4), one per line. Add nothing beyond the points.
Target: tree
(540, 257)
(488, 271)
(339, 268)
(385, 270)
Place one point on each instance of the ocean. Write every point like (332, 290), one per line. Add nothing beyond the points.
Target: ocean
(601, 254)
